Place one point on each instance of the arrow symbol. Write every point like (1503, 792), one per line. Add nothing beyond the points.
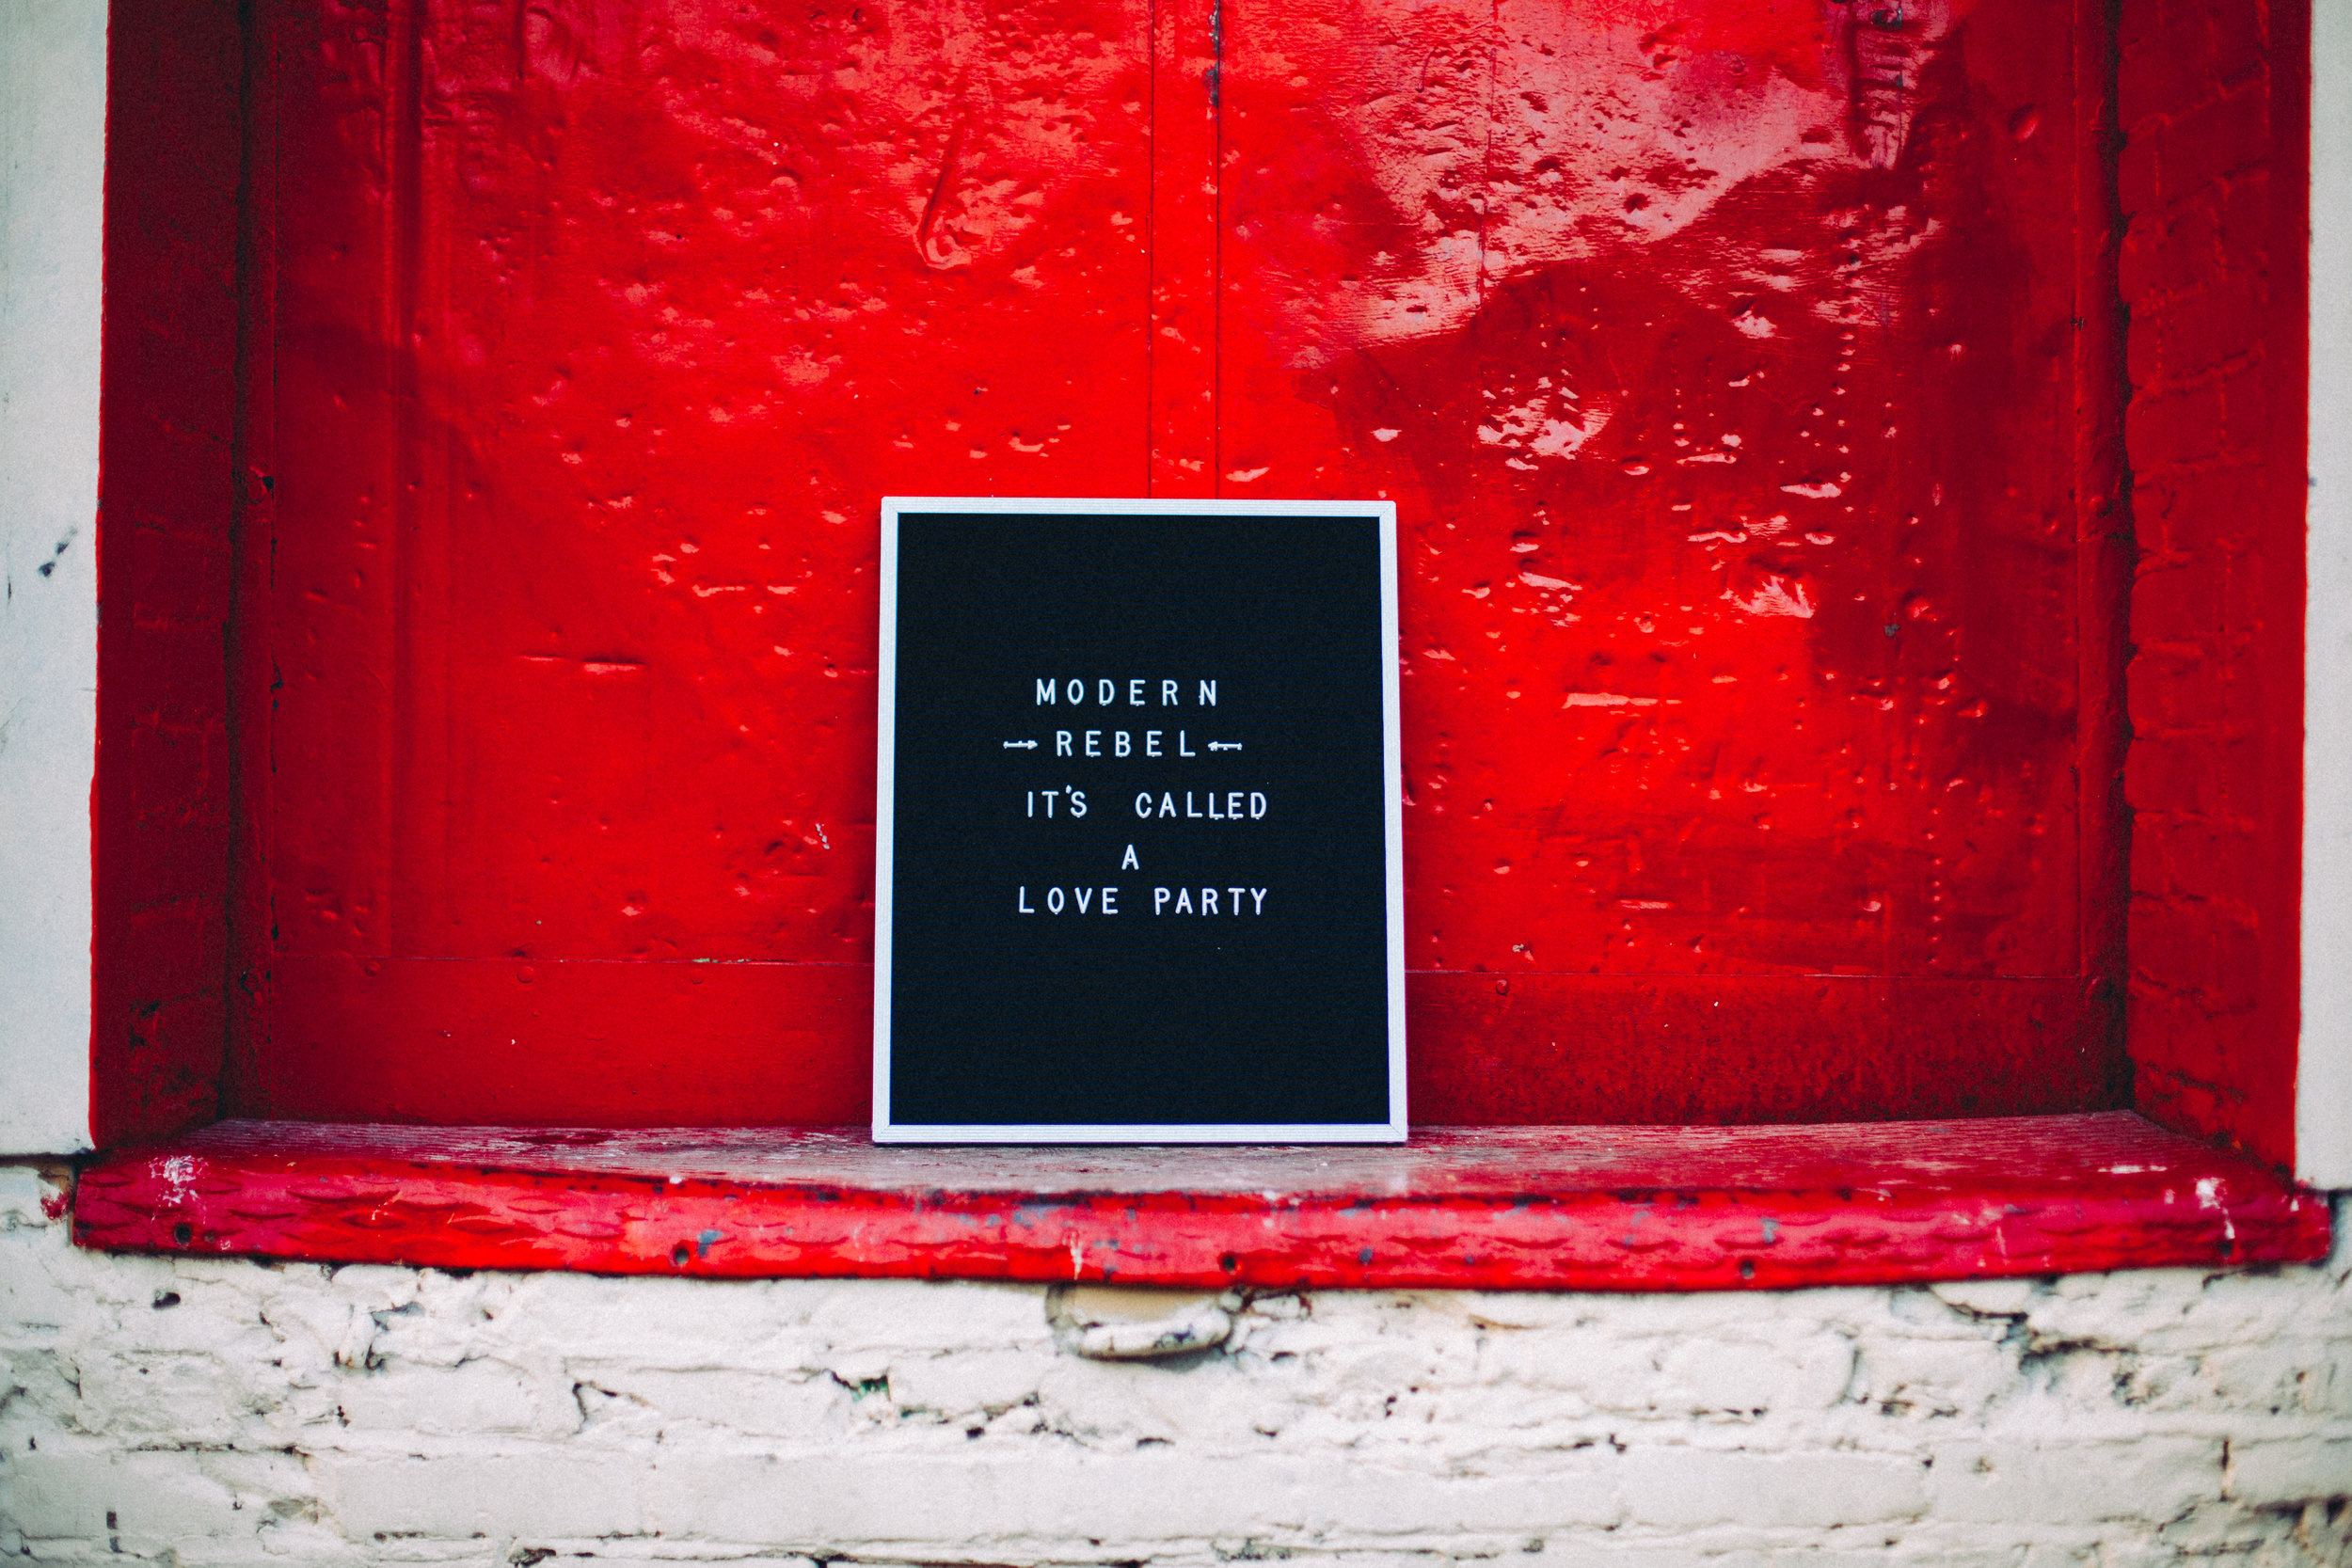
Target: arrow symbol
(1019, 745)
(1224, 745)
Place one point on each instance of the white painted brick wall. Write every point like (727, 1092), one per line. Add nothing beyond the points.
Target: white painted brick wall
(206, 1413)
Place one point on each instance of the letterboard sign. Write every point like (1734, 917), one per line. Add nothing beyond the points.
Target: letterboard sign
(1138, 869)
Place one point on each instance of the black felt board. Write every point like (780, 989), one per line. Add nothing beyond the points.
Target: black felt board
(1242, 982)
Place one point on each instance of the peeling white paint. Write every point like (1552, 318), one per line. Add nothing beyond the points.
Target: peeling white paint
(225, 1412)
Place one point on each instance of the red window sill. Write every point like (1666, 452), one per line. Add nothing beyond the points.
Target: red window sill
(1546, 1207)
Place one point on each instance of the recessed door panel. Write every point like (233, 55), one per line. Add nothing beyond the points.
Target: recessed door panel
(1723, 362)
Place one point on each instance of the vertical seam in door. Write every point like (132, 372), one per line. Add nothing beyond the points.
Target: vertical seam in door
(1216, 253)
(1150, 238)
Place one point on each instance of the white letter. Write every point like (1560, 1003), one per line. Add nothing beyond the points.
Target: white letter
(1110, 901)
(1022, 901)
(1033, 802)
(1258, 893)
(1236, 893)
(1150, 743)
(1049, 795)
(1134, 693)
(1061, 743)
(1208, 900)
(1159, 897)
(1168, 806)
(1119, 743)
(1208, 693)
(1257, 805)
(1094, 743)
(1232, 805)
(1167, 693)
(1084, 896)
(1053, 899)
(1077, 693)
(1131, 863)
(1077, 802)
(1045, 693)
(1215, 815)
(1183, 900)
(1188, 811)
(1108, 692)
(1143, 808)
(1182, 749)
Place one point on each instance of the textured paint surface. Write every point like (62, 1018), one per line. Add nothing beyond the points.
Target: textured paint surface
(1724, 366)
(2214, 179)
(170, 443)
(1721, 367)
(1506, 1207)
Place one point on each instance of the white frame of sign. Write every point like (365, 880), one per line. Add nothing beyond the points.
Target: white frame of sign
(1390, 1131)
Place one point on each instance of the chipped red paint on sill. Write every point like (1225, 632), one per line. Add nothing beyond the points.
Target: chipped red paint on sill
(1598, 1208)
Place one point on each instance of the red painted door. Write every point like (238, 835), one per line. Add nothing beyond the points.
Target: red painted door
(1729, 367)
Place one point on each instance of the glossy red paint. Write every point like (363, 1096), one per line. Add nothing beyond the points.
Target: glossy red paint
(735, 1044)
(1583, 1209)
(1724, 364)
(1721, 364)
(1550, 1048)
(2214, 182)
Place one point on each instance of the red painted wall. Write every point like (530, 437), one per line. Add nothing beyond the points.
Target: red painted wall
(1742, 373)
(163, 797)
(2215, 181)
